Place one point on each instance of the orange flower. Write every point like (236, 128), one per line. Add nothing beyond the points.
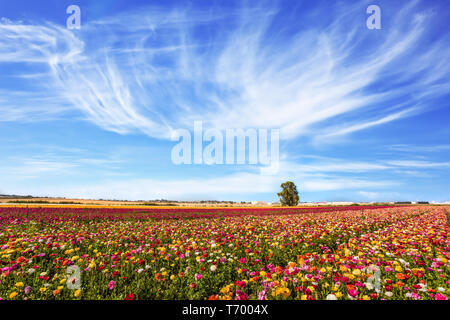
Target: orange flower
(400, 276)
(279, 270)
(350, 287)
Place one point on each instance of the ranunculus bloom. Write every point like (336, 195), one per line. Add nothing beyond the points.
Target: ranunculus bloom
(353, 293)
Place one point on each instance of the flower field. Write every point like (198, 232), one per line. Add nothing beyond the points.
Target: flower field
(338, 253)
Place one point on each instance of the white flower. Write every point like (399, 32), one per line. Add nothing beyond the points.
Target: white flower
(441, 289)
(331, 297)
(31, 270)
(140, 270)
(213, 268)
(369, 286)
(389, 294)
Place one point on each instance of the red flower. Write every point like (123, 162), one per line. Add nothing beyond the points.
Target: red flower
(130, 296)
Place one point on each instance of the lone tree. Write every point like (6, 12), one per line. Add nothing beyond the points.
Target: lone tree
(289, 194)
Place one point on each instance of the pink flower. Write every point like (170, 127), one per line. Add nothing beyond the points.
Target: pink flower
(440, 296)
(416, 296)
(242, 260)
(353, 293)
(198, 276)
(111, 284)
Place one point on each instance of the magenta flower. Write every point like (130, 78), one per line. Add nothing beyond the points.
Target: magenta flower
(353, 293)
(111, 284)
(440, 296)
(198, 276)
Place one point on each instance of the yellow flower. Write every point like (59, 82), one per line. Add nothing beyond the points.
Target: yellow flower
(12, 295)
(338, 294)
(284, 292)
(60, 288)
(398, 269)
(365, 297)
(356, 272)
(304, 297)
(43, 289)
(62, 281)
(77, 293)
(172, 277)
(19, 284)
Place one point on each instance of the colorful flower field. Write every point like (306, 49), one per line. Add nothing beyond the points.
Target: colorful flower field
(368, 253)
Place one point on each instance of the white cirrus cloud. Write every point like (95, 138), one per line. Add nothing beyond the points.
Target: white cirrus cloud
(155, 69)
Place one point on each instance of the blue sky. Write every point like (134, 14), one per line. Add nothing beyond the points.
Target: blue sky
(363, 114)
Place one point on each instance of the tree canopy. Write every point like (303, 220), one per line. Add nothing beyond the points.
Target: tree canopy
(289, 194)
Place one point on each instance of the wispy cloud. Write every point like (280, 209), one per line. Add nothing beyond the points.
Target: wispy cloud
(155, 73)
(415, 148)
(363, 125)
(418, 164)
(238, 185)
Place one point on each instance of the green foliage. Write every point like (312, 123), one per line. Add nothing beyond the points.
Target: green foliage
(289, 194)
